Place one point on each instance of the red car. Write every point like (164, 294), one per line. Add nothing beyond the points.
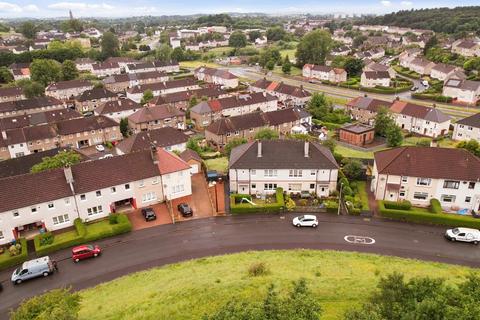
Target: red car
(85, 252)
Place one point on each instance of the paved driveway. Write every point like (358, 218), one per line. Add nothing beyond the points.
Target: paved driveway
(138, 222)
(199, 201)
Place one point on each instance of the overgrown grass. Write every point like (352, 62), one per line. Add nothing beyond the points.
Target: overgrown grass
(196, 64)
(352, 153)
(218, 164)
(188, 290)
(362, 193)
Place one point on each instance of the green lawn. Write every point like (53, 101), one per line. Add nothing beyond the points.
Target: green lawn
(352, 153)
(362, 193)
(190, 289)
(218, 164)
(196, 64)
(293, 72)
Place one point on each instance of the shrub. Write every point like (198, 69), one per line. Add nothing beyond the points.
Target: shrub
(435, 206)
(257, 269)
(236, 208)
(238, 197)
(290, 204)
(331, 206)
(113, 218)
(400, 205)
(46, 238)
(15, 249)
(302, 202)
(17, 259)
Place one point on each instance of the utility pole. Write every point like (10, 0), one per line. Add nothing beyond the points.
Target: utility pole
(340, 199)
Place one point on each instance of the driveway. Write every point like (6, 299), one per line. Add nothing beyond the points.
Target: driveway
(160, 245)
(199, 201)
(138, 222)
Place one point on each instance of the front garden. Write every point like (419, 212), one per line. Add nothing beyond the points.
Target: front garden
(397, 85)
(245, 203)
(84, 232)
(406, 72)
(13, 254)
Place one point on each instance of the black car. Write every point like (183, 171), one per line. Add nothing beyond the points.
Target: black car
(149, 214)
(185, 210)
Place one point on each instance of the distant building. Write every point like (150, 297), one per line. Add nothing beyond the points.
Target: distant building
(357, 134)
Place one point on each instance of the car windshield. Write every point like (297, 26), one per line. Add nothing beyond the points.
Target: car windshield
(455, 231)
(18, 270)
(90, 247)
(301, 218)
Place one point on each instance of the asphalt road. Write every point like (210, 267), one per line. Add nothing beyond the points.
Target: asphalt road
(166, 244)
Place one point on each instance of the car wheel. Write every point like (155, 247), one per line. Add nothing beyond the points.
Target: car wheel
(18, 281)
(95, 255)
(314, 225)
(45, 274)
(76, 260)
(475, 242)
(298, 225)
(453, 239)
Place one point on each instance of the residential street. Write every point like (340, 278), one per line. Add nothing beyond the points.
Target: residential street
(166, 244)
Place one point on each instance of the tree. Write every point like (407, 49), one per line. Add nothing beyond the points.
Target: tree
(143, 47)
(61, 159)
(45, 71)
(109, 45)
(353, 66)
(193, 102)
(28, 30)
(330, 143)
(71, 25)
(318, 105)
(472, 145)
(69, 70)
(266, 134)
(287, 65)
(234, 143)
(192, 144)
(276, 33)
(313, 48)
(178, 54)
(383, 121)
(147, 96)
(164, 53)
(269, 54)
(254, 35)
(31, 89)
(59, 304)
(394, 136)
(358, 41)
(237, 40)
(270, 65)
(124, 129)
(352, 168)
(5, 75)
(301, 304)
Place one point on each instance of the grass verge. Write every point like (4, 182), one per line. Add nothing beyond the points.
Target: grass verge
(190, 289)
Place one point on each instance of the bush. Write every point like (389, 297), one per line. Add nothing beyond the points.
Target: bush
(435, 206)
(290, 204)
(400, 205)
(331, 206)
(46, 238)
(444, 219)
(7, 261)
(238, 197)
(238, 208)
(113, 218)
(257, 269)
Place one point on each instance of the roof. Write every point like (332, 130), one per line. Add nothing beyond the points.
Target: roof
(376, 74)
(467, 44)
(64, 85)
(33, 103)
(96, 93)
(374, 66)
(84, 124)
(444, 68)
(367, 103)
(169, 162)
(147, 114)
(232, 102)
(186, 82)
(418, 111)
(161, 138)
(281, 154)
(463, 84)
(151, 65)
(282, 88)
(117, 106)
(84, 61)
(357, 128)
(472, 121)
(34, 119)
(11, 91)
(208, 92)
(189, 154)
(456, 164)
(105, 65)
(421, 62)
(216, 72)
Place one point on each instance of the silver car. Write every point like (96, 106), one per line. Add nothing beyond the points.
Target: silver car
(34, 268)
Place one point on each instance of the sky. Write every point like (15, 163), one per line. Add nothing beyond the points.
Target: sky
(123, 8)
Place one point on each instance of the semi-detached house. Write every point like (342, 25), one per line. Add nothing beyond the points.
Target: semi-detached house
(11, 94)
(30, 106)
(290, 96)
(326, 73)
(121, 82)
(467, 128)
(216, 76)
(89, 190)
(462, 90)
(419, 174)
(259, 167)
(159, 88)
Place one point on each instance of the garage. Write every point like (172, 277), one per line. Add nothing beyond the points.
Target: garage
(193, 159)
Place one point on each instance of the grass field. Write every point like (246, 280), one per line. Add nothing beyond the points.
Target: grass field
(190, 289)
(196, 64)
(218, 164)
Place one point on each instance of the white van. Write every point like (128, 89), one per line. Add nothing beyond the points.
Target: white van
(463, 234)
(31, 269)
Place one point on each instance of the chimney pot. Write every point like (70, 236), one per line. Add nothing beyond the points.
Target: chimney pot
(259, 149)
(306, 149)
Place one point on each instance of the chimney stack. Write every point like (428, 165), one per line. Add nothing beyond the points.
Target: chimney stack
(259, 149)
(4, 135)
(306, 149)
(153, 153)
(67, 171)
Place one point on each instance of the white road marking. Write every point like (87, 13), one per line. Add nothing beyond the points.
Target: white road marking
(359, 239)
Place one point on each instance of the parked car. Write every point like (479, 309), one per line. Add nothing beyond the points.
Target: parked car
(463, 234)
(43, 266)
(305, 195)
(149, 214)
(212, 175)
(414, 88)
(88, 114)
(185, 210)
(305, 221)
(85, 252)
(108, 155)
(425, 83)
(100, 148)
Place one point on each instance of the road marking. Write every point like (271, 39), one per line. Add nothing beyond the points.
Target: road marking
(359, 239)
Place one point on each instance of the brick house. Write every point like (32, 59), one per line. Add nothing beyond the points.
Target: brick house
(65, 90)
(168, 138)
(121, 82)
(357, 134)
(104, 69)
(118, 109)
(421, 66)
(464, 91)
(84, 64)
(466, 48)
(364, 109)
(374, 66)
(181, 99)
(149, 118)
(35, 119)
(149, 66)
(216, 76)
(288, 95)
(94, 98)
(442, 71)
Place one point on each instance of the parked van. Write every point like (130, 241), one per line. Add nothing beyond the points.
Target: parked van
(31, 269)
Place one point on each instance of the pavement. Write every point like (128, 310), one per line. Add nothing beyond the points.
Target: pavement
(165, 244)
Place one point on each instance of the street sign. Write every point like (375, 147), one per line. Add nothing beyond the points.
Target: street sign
(359, 239)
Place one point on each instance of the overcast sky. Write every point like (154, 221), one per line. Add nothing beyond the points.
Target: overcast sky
(122, 8)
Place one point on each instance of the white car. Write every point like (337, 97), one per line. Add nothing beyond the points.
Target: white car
(463, 234)
(305, 221)
(100, 148)
(108, 155)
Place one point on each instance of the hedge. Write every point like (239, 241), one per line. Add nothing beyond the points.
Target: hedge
(400, 205)
(239, 208)
(444, 219)
(82, 234)
(12, 261)
(435, 206)
(331, 206)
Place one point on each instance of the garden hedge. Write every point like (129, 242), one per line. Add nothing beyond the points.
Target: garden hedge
(434, 97)
(435, 206)
(83, 236)
(444, 219)
(18, 259)
(239, 208)
(400, 205)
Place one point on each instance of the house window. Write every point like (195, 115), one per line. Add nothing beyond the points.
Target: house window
(312, 185)
(295, 173)
(404, 179)
(420, 196)
(113, 190)
(424, 181)
(149, 196)
(270, 173)
(269, 186)
(468, 199)
(94, 210)
(253, 172)
(312, 172)
(450, 184)
(294, 186)
(471, 185)
(83, 197)
(141, 183)
(254, 186)
(178, 188)
(61, 219)
(402, 194)
(127, 186)
(33, 209)
(1, 235)
(98, 193)
(228, 134)
(16, 214)
(237, 133)
(447, 198)
(51, 205)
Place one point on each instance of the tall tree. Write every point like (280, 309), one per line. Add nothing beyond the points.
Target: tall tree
(266, 134)
(287, 65)
(313, 48)
(178, 54)
(69, 70)
(124, 129)
(109, 45)
(353, 66)
(164, 53)
(233, 143)
(237, 40)
(254, 35)
(61, 159)
(31, 89)
(394, 136)
(28, 30)
(45, 71)
(5, 75)
(276, 33)
(472, 145)
(147, 96)
(383, 121)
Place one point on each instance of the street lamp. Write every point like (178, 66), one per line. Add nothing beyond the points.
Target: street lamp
(340, 198)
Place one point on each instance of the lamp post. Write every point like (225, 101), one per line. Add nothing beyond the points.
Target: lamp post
(340, 198)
